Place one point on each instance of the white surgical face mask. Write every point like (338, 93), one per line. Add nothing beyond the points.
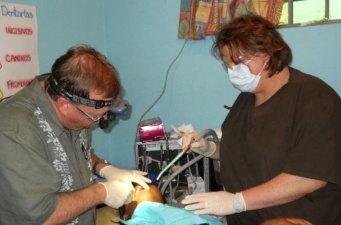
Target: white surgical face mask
(242, 79)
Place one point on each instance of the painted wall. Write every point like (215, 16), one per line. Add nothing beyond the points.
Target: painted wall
(140, 38)
(142, 43)
(64, 23)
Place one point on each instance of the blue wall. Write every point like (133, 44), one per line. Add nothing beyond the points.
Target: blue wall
(140, 38)
(142, 43)
(64, 23)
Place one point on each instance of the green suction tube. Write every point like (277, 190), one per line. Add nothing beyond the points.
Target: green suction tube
(204, 133)
(170, 164)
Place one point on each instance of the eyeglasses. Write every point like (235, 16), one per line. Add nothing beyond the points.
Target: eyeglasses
(94, 120)
(245, 60)
(242, 60)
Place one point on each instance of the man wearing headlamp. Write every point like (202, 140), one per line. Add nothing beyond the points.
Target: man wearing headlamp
(47, 165)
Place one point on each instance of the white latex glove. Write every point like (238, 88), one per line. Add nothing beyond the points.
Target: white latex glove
(202, 146)
(214, 203)
(118, 193)
(127, 176)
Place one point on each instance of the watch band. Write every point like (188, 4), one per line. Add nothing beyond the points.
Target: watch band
(94, 168)
(238, 202)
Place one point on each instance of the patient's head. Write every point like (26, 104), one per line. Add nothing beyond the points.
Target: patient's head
(142, 195)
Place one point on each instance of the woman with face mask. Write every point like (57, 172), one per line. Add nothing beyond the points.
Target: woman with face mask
(280, 150)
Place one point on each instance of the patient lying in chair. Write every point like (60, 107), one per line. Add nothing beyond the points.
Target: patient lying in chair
(148, 208)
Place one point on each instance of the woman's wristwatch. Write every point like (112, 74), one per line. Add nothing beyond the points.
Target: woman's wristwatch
(94, 167)
(238, 202)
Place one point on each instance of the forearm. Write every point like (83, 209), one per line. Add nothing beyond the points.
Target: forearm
(72, 204)
(282, 189)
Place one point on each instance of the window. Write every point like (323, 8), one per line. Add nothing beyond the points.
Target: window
(308, 12)
(201, 18)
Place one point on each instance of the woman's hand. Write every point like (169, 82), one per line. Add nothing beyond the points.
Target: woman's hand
(202, 146)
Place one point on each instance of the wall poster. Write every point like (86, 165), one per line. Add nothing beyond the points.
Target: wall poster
(19, 62)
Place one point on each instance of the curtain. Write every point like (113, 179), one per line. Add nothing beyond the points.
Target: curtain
(200, 18)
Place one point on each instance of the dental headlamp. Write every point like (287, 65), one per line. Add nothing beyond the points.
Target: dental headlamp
(97, 104)
(118, 107)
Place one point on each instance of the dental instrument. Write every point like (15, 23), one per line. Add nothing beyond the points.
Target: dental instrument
(188, 147)
(202, 134)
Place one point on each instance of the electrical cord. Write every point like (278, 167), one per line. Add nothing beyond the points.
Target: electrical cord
(193, 178)
(160, 96)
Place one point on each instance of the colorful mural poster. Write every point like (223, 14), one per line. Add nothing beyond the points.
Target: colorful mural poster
(19, 62)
